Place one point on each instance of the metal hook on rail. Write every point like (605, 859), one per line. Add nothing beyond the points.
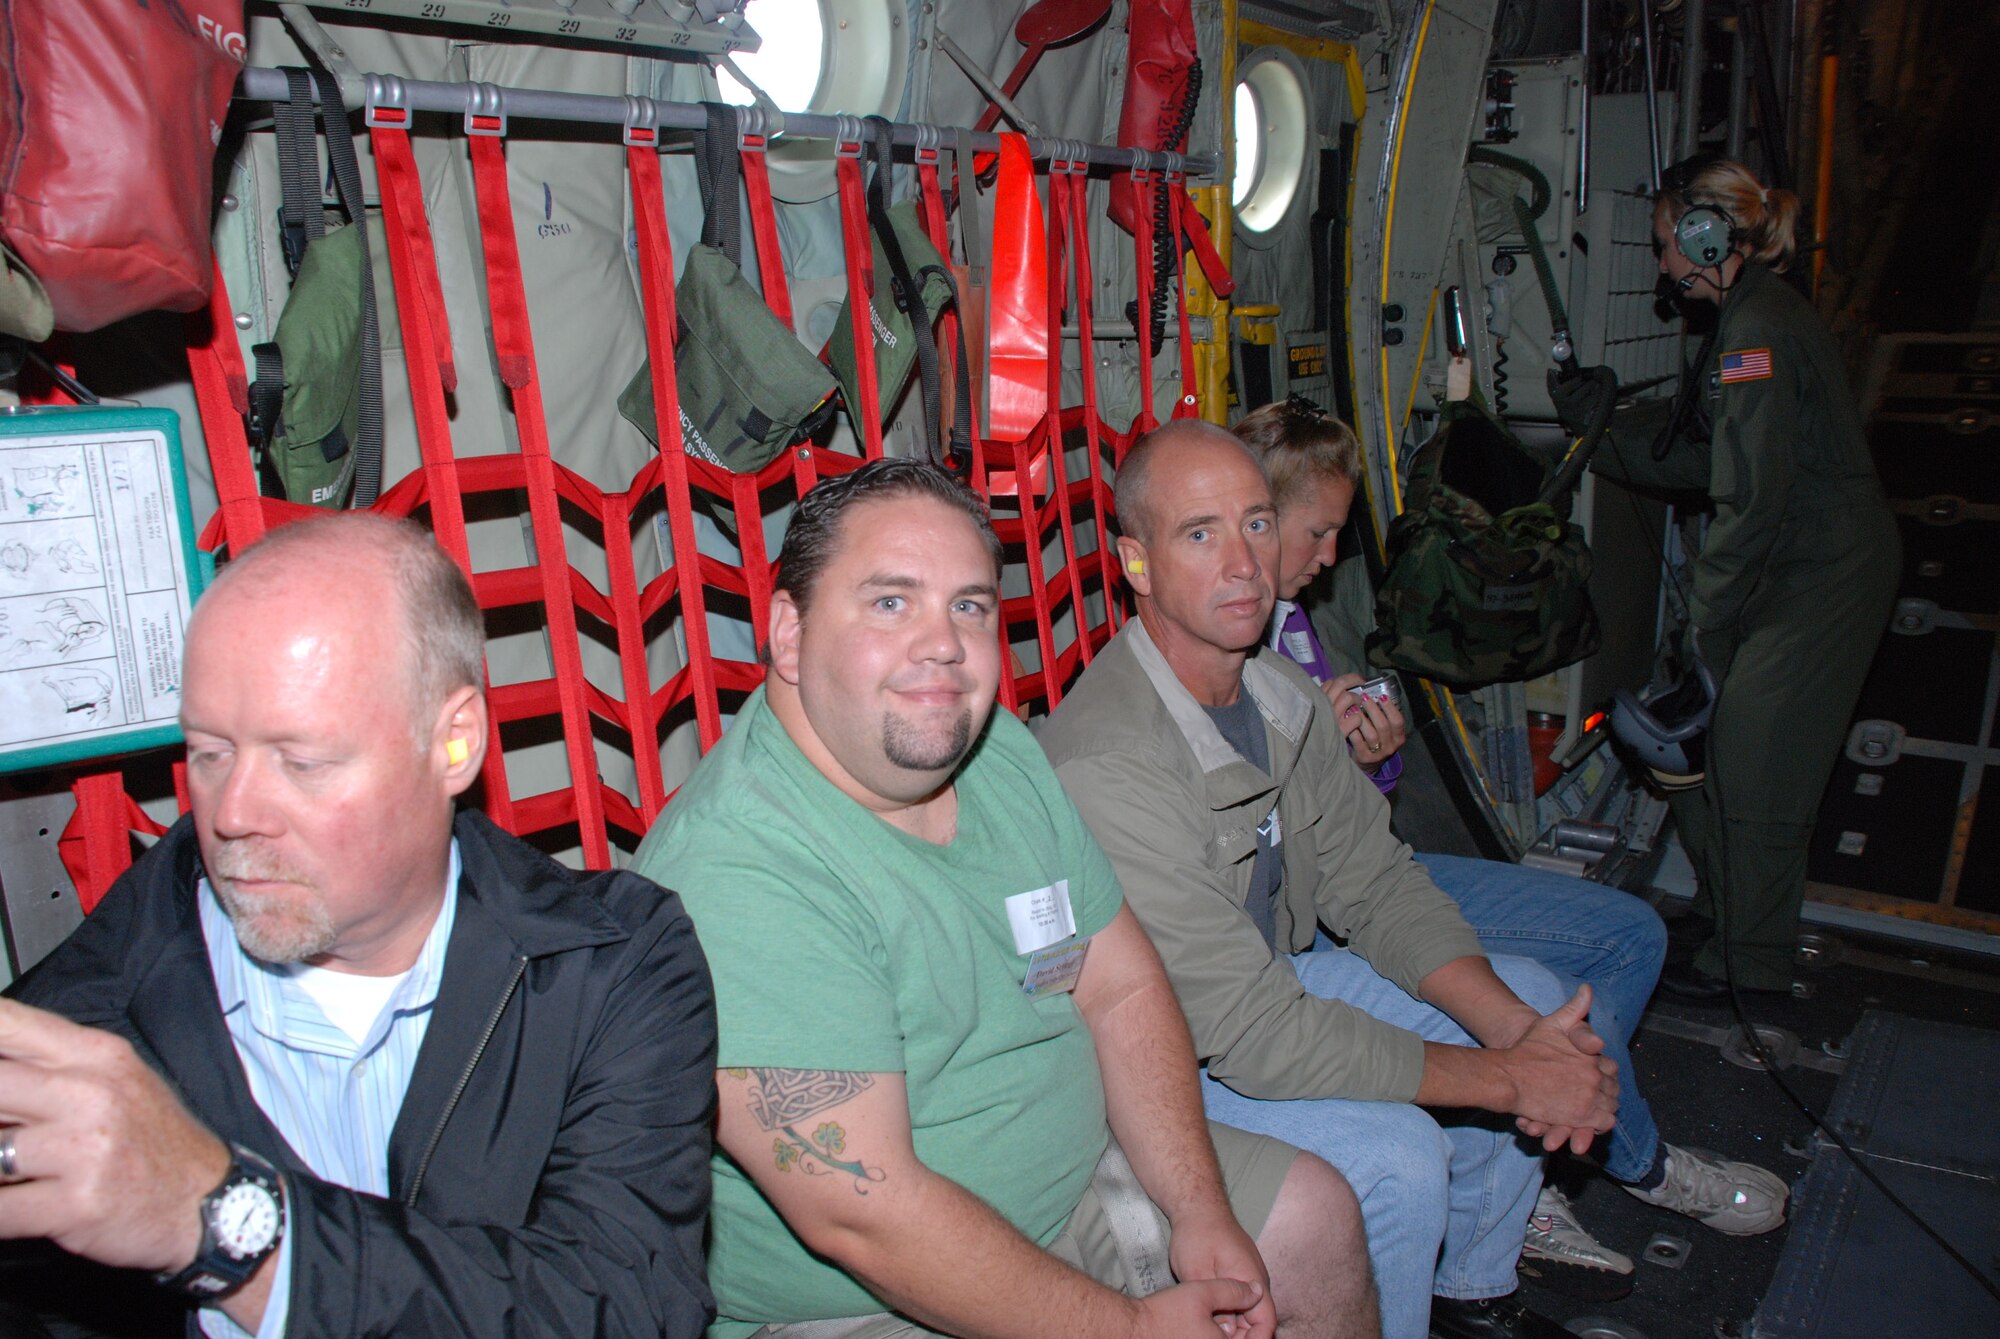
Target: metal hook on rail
(485, 109)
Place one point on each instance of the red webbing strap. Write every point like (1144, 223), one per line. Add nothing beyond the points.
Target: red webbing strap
(746, 494)
(764, 229)
(513, 340)
(1016, 455)
(1146, 184)
(407, 230)
(96, 844)
(221, 396)
(641, 716)
(413, 267)
(867, 416)
(1203, 245)
(1086, 334)
(656, 281)
(396, 173)
(1188, 405)
(1057, 233)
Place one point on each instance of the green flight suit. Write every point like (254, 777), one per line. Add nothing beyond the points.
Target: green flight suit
(1791, 591)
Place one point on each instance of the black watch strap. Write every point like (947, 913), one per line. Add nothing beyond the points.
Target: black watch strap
(224, 1263)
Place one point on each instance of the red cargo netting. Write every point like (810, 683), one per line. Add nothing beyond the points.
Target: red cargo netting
(1050, 494)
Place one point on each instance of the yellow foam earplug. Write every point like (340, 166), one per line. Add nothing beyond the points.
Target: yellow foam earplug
(456, 751)
(1136, 567)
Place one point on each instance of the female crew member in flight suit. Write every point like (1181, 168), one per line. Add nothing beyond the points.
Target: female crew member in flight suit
(1795, 578)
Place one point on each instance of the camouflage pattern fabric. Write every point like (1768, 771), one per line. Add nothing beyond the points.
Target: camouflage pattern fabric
(1472, 598)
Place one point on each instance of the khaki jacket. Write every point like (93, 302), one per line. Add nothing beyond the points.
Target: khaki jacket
(1177, 809)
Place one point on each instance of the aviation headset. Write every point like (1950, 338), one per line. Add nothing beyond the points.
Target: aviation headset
(1704, 234)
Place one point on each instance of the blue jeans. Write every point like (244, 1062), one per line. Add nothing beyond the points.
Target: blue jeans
(1467, 1187)
(1582, 932)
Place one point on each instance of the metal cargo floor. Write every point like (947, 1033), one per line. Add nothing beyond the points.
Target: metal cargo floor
(1918, 1101)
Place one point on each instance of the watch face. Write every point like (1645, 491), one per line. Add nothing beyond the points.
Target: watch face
(245, 1220)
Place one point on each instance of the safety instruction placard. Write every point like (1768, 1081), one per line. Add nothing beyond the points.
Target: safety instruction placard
(97, 574)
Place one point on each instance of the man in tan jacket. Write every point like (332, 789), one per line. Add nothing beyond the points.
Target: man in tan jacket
(1214, 775)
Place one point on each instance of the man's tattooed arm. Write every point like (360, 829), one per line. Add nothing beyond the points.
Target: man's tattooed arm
(782, 1099)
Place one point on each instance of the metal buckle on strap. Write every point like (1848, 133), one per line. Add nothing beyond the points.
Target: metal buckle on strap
(642, 123)
(847, 133)
(1173, 168)
(753, 132)
(929, 140)
(387, 103)
(485, 110)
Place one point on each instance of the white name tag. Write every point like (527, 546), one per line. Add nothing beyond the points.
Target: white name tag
(1041, 918)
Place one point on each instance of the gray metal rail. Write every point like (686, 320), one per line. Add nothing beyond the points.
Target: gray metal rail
(261, 84)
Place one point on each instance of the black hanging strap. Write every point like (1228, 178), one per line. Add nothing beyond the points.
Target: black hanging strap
(907, 292)
(718, 170)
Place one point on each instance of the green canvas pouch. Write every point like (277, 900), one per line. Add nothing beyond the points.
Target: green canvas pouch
(748, 388)
(318, 349)
(895, 336)
(315, 422)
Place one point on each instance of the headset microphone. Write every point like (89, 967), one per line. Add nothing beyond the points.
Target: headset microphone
(1688, 282)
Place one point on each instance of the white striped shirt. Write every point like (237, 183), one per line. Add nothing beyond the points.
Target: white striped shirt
(334, 1100)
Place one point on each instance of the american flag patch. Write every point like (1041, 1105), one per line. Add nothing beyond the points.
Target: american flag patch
(1746, 365)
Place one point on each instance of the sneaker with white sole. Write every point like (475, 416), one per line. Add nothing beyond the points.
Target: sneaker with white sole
(1733, 1197)
(1559, 1252)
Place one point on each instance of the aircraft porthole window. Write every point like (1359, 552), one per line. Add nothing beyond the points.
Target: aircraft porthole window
(790, 58)
(825, 57)
(1273, 117)
(1249, 144)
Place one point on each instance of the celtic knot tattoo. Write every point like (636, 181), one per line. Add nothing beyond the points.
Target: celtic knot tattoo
(782, 1096)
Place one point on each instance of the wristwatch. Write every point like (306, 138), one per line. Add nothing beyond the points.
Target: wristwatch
(242, 1221)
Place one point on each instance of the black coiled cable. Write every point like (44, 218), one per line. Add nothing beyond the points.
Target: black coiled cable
(1163, 217)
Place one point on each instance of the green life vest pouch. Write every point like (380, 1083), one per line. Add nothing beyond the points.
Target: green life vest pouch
(913, 288)
(316, 403)
(748, 388)
(1488, 580)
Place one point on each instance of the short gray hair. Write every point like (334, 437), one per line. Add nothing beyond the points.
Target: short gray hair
(444, 631)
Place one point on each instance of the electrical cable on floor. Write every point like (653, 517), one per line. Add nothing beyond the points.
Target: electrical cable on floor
(1752, 1038)
(1770, 1066)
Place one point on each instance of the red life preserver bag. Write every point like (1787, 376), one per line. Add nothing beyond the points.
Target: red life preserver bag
(1159, 102)
(110, 111)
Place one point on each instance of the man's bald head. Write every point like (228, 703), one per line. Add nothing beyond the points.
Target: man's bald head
(1131, 490)
(443, 639)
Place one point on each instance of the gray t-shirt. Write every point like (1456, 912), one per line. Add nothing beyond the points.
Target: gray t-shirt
(1243, 726)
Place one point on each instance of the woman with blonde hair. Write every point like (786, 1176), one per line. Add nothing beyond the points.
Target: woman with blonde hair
(1795, 576)
(1582, 931)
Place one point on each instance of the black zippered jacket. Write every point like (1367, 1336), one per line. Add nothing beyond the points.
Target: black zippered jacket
(549, 1167)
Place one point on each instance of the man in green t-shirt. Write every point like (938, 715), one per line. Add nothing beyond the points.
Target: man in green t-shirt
(943, 1035)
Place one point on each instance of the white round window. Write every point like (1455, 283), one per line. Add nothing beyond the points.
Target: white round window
(825, 57)
(1272, 121)
(790, 57)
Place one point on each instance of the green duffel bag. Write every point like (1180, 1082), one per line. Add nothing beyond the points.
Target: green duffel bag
(748, 388)
(1488, 580)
